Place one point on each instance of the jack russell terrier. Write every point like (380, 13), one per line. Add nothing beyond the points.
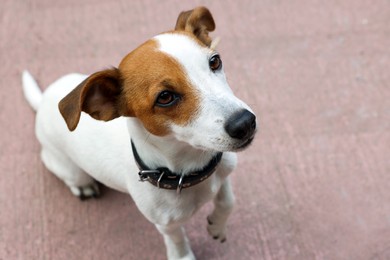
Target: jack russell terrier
(163, 127)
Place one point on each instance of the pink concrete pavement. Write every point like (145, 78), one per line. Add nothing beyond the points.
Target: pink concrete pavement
(316, 182)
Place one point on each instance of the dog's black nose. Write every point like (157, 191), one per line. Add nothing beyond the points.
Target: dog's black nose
(241, 125)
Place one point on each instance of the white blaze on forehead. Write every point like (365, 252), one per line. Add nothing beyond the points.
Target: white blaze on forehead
(185, 50)
(181, 47)
(195, 61)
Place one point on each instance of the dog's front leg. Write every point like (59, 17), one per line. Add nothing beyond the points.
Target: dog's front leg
(223, 206)
(176, 242)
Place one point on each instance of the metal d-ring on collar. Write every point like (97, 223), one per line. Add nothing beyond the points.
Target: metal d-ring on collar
(164, 178)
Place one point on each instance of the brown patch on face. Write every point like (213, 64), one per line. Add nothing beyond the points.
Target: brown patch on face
(145, 73)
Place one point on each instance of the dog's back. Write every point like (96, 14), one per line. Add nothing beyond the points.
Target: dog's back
(78, 151)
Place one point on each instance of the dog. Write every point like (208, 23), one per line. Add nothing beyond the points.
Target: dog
(164, 127)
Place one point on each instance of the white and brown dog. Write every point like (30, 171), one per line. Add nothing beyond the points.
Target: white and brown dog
(171, 121)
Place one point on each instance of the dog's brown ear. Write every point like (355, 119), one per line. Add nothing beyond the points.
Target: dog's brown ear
(98, 96)
(198, 21)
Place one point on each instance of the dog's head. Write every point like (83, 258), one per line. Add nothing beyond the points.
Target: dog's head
(175, 85)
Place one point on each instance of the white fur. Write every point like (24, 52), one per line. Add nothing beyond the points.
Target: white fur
(217, 99)
(102, 149)
(31, 90)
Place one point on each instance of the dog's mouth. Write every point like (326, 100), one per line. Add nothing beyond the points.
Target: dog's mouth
(245, 144)
(237, 147)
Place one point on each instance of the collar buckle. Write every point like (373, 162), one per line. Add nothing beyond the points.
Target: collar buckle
(159, 179)
(144, 174)
(180, 185)
(163, 178)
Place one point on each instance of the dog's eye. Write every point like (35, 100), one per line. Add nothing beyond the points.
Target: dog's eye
(167, 98)
(215, 62)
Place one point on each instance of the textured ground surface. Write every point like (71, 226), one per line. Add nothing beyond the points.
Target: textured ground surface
(316, 182)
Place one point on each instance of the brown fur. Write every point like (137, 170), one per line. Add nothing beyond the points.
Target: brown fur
(198, 22)
(97, 96)
(146, 72)
(131, 90)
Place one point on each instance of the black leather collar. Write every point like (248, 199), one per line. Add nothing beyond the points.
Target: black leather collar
(164, 178)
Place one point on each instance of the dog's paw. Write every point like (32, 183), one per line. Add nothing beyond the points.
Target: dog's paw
(217, 232)
(189, 256)
(173, 254)
(86, 192)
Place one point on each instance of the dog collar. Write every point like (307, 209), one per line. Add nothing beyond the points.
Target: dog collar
(164, 178)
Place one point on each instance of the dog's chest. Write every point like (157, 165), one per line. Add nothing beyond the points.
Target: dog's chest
(166, 206)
